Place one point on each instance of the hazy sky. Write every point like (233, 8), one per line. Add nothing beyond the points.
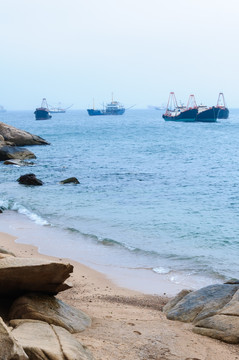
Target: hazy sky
(72, 51)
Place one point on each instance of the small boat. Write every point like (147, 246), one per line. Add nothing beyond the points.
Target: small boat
(113, 108)
(207, 114)
(2, 109)
(223, 110)
(43, 112)
(180, 113)
(58, 109)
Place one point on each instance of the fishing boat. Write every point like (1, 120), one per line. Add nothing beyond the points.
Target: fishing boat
(174, 112)
(58, 109)
(223, 110)
(207, 114)
(112, 108)
(43, 113)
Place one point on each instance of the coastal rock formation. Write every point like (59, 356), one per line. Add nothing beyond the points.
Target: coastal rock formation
(214, 310)
(47, 342)
(18, 275)
(20, 137)
(29, 179)
(14, 152)
(9, 347)
(18, 162)
(73, 180)
(51, 310)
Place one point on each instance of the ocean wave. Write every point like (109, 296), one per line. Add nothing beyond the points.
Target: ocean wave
(11, 205)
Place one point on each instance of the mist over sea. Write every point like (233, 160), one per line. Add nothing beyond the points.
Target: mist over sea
(153, 195)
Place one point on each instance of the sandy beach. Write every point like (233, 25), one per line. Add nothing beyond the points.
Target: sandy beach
(127, 324)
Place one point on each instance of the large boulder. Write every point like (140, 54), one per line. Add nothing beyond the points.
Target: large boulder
(51, 310)
(29, 179)
(202, 303)
(20, 137)
(21, 275)
(14, 152)
(71, 180)
(9, 347)
(47, 342)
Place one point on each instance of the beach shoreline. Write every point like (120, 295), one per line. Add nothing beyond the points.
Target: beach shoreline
(126, 324)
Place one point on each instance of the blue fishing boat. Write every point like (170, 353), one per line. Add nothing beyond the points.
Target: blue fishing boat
(113, 108)
(180, 113)
(207, 114)
(43, 112)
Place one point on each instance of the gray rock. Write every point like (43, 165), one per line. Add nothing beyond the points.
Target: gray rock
(18, 275)
(202, 303)
(18, 162)
(20, 137)
(14, 152)
(172, 302)
(51, 310)
(73, 180)
(48, 342)
(9, 347)
(29, 179)
(221, 327)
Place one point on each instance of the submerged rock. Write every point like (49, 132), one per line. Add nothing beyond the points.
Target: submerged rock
(51, 310)
(18, 162)
(73, 180)
(29, 179)
(20, 137)
(8, 152)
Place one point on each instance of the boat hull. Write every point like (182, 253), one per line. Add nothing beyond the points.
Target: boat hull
(208, 115)
(184, 116)
(223, 113)
(93, 112)
(42, 114)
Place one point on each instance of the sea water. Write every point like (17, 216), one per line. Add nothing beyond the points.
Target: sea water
(153, 195)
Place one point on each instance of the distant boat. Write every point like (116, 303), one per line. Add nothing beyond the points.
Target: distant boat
(180, 113)
(58, 109)
(43, 112)
(2, 109)
(162, 107)
(207, 114)
(223, 110)
(113, 108)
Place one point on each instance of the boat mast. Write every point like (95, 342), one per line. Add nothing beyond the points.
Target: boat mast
(44, 103)
(221, 100)
(172, 102)
(191, 102)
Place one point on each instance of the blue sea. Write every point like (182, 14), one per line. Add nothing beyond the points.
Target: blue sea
(162, 197)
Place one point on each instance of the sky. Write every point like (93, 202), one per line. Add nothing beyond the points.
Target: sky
(74, 51)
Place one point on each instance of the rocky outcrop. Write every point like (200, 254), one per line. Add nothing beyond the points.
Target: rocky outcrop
(8, 152)
(51, 310)
(214, 311)
(18, 275)
(29, 179)
(18, 162)
(20, 137)
(47, 342)
(72, 180)
(9, 348)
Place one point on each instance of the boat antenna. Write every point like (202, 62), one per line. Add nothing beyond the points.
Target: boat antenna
(191, 102)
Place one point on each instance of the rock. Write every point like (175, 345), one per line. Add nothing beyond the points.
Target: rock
(29, 179)
(202, 303)
(13, 152)
(47, 342)
(70, 180)
(18, 162)
(221, 327)
(9, 347)
(51, 310)
(20, 137)
(172, 302)
(18, 275)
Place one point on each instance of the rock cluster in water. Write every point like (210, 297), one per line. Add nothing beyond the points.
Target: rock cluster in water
(213, 310)
(34, 324)
(12, 138)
